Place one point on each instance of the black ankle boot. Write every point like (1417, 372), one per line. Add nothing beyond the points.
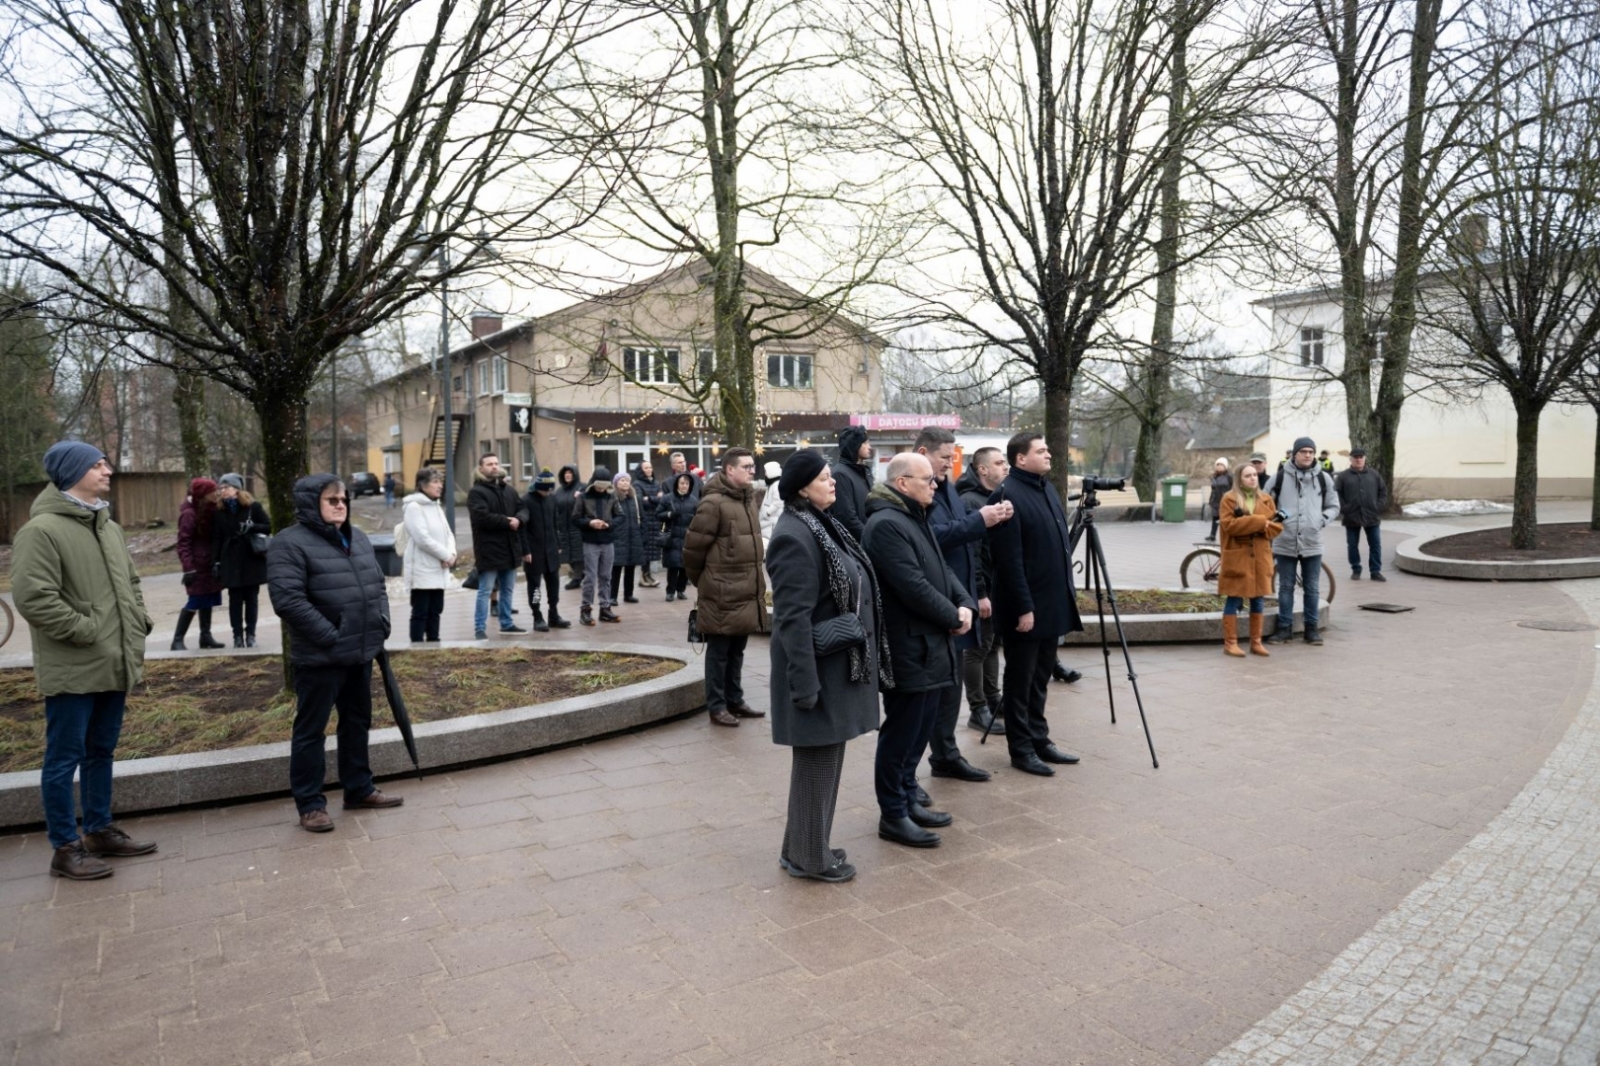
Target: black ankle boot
(206, 639)
(556, 621)
(184, 618)
(539, 624)
(238, 640)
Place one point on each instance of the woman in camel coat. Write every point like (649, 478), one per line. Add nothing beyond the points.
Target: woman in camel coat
(1246, 515)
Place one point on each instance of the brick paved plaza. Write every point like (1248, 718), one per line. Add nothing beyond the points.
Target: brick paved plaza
(1382, 850)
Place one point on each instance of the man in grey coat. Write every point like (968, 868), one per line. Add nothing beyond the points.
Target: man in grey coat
(1306, 496)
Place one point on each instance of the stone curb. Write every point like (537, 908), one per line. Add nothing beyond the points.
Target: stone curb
(1202, 628)
(1411, 558)
(158, 783)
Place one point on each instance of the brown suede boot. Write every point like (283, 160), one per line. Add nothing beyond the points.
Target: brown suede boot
(1230, 635)
(1256, 647)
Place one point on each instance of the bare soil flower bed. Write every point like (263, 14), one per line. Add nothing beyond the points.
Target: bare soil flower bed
(203, 704)
(1155, 601)
(1563, 540)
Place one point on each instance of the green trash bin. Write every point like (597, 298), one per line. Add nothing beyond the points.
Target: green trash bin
(1174, 498)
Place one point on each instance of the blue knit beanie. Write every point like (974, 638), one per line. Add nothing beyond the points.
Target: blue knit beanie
(67, 461)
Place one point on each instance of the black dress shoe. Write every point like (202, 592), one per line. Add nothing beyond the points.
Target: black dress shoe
(1051, 753)
(920, 795)
(987, 721)
(1064, 673)
(1032, 764)
(905, 831)
(929, 819)
(960, 770)
(838, 873)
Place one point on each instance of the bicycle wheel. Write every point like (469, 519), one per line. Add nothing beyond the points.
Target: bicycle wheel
(1329, 586)
(1200, 569)
(8, 622)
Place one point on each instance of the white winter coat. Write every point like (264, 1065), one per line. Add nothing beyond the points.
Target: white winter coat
(429, 544)
(771, 508)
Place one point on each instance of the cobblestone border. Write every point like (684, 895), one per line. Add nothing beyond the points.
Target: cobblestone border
(1494, 960)
(178, 780)
(1411, 556)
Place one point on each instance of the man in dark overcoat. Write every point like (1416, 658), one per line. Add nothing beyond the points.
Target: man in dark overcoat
(542, 535)
(924, 605)
(1034, 602)
(959, 532)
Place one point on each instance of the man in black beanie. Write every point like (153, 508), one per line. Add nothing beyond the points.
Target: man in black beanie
(853, 472)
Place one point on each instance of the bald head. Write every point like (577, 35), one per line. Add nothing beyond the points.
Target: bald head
(909, 464)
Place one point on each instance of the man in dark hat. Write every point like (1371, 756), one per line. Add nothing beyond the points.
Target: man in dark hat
(541, 549)
(853, 472)
(1363, 497)
(73, 582)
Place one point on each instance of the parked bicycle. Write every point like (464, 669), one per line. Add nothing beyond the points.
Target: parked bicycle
(1201, 568)
(8, 621)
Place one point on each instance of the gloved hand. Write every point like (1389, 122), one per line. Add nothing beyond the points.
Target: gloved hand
(805, 704)
(189, 578)
(1238, 512)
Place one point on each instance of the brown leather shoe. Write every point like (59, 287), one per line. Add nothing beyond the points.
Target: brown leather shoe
(1256, 647)
(113, 841)
(723, 718)
(373, 801)
(75, 864)
(317, 821)
(744, 710)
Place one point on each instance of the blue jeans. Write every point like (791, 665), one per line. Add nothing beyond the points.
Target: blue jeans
(1352, 539)
(1310, 572)
(80, 736)
(1257, 604)
(487, 579)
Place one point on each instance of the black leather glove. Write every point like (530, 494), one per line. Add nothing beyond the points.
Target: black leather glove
(1238, 512)
(189, 578)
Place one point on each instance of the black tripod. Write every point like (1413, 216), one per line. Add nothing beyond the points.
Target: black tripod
(1099, 579)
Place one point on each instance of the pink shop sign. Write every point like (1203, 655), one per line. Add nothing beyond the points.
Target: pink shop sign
(905, 421)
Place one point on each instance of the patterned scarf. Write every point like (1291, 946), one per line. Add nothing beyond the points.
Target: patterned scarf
(822, 524)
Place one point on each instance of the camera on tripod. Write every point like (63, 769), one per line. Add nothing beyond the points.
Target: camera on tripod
(1103, 484)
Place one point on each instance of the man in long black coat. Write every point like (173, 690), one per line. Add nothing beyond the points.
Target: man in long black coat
(924, 605)
(541, 549)
(497, 515)
(852, 475)
(959, 532)
(1033, 599)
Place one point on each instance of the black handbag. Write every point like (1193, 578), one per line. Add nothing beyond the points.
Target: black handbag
(472, 579)
(840, 633)
(695, 636)
(260, 543)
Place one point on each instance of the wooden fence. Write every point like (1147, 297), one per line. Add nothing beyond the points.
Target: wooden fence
(136, 500)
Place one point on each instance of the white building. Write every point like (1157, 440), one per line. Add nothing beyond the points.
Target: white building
(1450, 447)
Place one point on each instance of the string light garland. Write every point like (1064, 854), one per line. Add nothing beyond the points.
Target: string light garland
(626, 426)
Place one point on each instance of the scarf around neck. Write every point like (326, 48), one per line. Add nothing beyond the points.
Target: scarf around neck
(831, 537)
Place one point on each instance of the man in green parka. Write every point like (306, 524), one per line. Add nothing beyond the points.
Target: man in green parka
(73, 581)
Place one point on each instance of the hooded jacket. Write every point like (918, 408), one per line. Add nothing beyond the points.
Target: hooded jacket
(545, 530)
(429, 543)
(627, 528)
(195, 547)
(564, 495)
(326, 586)
(1300, 495)
(649, 491)
(853, 482)
(722, 553)
(921, 594)
(492, 505)
(599, 500)
(73, 582)
(674, 515)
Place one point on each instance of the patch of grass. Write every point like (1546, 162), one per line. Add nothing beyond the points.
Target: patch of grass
(213, 702)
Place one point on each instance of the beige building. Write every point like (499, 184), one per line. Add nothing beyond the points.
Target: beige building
(613, 380)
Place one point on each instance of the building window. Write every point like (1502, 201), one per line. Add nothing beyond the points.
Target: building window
(1311, 347)
(484, 448)
(650, 366)
(483, 378)
(789, 371)
(705, 363)
(502, 448)
(525, 449)
(499, 365)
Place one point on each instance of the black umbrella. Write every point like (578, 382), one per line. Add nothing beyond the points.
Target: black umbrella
(397, 704)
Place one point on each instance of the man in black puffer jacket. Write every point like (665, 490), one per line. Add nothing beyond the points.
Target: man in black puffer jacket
(329, 592)
(853, 476)
(542, 535)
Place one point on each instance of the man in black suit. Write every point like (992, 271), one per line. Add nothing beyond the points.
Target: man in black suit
(924, 605)
(1033, 599)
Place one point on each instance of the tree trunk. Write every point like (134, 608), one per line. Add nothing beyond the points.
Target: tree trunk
(286, 457)
(1525, 493)
(189, 396)
(1594, 488)
(1058, 430)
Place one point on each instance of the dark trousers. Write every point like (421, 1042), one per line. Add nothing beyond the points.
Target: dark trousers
(813, 797)
(80, 736)
(426, 607)
(942, 737)
(907, 720)
(982, 669)
(724, 671)
(621, 575)
(318, 691)
(1027, 683)
(244, 605)
(552, 585)
(677, 579)
(1352, 541)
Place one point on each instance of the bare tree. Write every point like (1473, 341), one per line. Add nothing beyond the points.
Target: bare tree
(287, 172)
(1046, 131)
(740, 142)
(1519, 307)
